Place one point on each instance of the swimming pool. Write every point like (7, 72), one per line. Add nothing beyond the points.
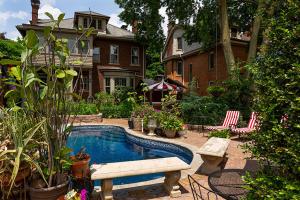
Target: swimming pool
(107, 144)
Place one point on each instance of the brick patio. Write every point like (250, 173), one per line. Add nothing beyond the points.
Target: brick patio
(236, 159)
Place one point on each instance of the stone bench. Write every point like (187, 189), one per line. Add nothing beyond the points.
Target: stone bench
(213, 153)
(170, 166)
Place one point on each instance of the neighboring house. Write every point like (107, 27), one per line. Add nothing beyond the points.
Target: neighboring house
(184, 62)
(110, 57)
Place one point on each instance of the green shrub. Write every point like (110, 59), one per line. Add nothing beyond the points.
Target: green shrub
(121, 94)
(103, 98)
(116, 111)
(203, 110)
(220, 134)
(83, 108)
(171, 122)
(215, 91)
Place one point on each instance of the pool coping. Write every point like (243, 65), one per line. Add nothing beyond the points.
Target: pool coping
(195, 163)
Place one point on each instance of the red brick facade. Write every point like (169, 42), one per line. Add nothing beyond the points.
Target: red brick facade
(196, 64)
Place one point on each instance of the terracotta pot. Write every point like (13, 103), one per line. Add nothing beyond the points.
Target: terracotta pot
(80, 168)
(170, 133)
(137, 124)
(23, 173)
(52, 193)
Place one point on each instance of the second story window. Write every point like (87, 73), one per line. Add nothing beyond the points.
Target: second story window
(96, 54)
(85, 23)
(99, 24)
(135, 55)
(179, 43)
(179, 68)
(114, 54)
(83, 47)
(71, 45)
(211, 61)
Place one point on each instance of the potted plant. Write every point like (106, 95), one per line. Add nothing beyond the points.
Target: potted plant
(171, 124)
(80, 164)
(48, 99)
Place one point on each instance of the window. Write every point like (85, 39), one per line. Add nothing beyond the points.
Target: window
(85, 22)
(211, 61)
(84, 82)
(71, 45)
(211, 83)
(179, 43)
(99, 24)
(93, 23)
(179, 68)
(135, 55)
(132, 82)
(120, 82)
(191, 72)
(114, 54)
(107, 85)
(83, 46)
(96, 54)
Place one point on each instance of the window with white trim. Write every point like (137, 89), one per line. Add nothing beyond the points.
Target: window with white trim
(114, 54)
(84, 82)
(120, 82)
(85, 22)
(134, 55)
(96, 54)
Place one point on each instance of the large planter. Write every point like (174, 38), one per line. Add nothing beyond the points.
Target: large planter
(80, 168)
(52, 193)
(23, 172)
(137, 124)
(170, 133)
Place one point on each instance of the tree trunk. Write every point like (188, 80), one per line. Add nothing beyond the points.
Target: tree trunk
(255, 31)
(225, 36)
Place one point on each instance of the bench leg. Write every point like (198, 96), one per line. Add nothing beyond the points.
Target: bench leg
(106, 189)
(211, 164)
(171, 183)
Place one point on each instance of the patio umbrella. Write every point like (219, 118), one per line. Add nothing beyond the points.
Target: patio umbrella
(163, 86)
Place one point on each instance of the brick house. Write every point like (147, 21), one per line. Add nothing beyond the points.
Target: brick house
(184, 62)
(110, 56)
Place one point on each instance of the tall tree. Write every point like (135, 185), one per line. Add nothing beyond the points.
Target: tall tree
(145, 16)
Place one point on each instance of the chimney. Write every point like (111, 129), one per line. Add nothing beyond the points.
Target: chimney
(35, 5)
(134, 26)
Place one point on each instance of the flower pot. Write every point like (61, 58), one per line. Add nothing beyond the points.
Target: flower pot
(137, 124)
(52, 193)
(80, 168)
(170, 133)
(23, 173)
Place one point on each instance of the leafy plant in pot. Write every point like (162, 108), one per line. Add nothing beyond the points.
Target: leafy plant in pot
(19, 135)
(171, 125)
(80, 165)
(48, 99)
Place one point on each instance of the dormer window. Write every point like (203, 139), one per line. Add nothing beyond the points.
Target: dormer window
(85, 22)
(179, 43)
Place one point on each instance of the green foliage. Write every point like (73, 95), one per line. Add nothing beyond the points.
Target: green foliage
(215, 91)
(220, 134)
(203, 110)
(170, 105)
(171, 122)
(103, 98)
(276, 74)
(121, 94)
(83, 108)
(122, 110)
(11, 50)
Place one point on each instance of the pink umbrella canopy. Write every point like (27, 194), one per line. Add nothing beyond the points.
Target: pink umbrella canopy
(163, 86)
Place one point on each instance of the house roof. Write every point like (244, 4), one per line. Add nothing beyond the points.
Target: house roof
(67, 25)
(91, 13)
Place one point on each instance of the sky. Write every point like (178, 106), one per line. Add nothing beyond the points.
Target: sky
(15, 12)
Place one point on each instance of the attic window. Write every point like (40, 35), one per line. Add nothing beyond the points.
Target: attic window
(99, 24)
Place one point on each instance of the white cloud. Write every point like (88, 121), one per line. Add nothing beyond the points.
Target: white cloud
(50, 9)
(47, 2)
(115, 20)
(13, 35)
(5, 16)
(163, 13)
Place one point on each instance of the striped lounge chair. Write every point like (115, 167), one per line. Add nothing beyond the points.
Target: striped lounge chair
(252, 125)
(230, 120)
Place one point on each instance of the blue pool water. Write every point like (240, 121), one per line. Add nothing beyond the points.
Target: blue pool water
(107, 144)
